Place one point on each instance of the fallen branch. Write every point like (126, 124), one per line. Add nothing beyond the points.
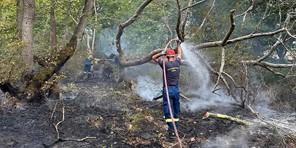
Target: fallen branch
(56, 126)
(248, 107)
(186, 98)
(63, 140)
(225, 117)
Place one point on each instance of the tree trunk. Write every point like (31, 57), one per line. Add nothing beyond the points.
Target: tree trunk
(26, 15)
(53, 28)
(19, 17)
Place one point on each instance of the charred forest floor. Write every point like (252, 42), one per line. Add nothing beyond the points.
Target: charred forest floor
(107, 114)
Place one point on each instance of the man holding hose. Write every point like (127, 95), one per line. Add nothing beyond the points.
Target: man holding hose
(172, 74)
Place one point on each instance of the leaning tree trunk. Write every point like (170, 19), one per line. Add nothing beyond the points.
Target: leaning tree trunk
(37, 85)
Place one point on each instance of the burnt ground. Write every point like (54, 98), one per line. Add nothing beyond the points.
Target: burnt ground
(105, 114)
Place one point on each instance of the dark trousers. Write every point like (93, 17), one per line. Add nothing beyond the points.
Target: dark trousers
(87, 68)
(86, 71)
(174, 95)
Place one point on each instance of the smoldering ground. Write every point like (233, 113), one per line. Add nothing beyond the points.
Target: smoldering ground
(195, 82)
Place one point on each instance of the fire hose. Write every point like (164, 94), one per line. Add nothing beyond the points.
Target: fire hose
(167, 94)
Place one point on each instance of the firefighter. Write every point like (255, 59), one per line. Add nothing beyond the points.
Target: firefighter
(172, 68)
(87, 67)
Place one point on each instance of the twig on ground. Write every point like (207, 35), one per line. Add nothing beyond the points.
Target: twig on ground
(56, 126)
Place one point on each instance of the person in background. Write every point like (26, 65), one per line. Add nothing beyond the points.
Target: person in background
(172, 68)
(87, 67)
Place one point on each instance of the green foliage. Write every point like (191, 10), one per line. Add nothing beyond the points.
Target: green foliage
(67, 14)
(8, 26)
(111, 13)
(10, 63)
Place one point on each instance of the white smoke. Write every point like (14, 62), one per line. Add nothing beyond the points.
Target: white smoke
(148, 79)
(235, 138)
(148, 88)
(285, 122)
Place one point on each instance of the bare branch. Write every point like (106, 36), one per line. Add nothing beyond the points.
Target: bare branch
(212, 6)
(245, 96)
(285, 46)
(166, 21)
(94, 30)
(221, 67)
(180, 35)
(273, 47)
(138, 61)
(265, 15)
(268, 66)
(270, 69)
(231, 41)
(277, 65)
(246, 12)
(122, 26)
(289, 33)
(185, 20)
(233, 81)
(195, 4)
(231, 29)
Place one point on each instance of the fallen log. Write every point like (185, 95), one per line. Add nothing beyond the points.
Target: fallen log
(225, 117)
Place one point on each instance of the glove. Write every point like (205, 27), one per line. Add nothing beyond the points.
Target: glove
(163, 52)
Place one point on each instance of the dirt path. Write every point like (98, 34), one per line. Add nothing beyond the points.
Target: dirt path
(101, 114)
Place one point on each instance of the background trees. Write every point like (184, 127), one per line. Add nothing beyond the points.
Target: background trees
(256, 40)
(31, 84)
